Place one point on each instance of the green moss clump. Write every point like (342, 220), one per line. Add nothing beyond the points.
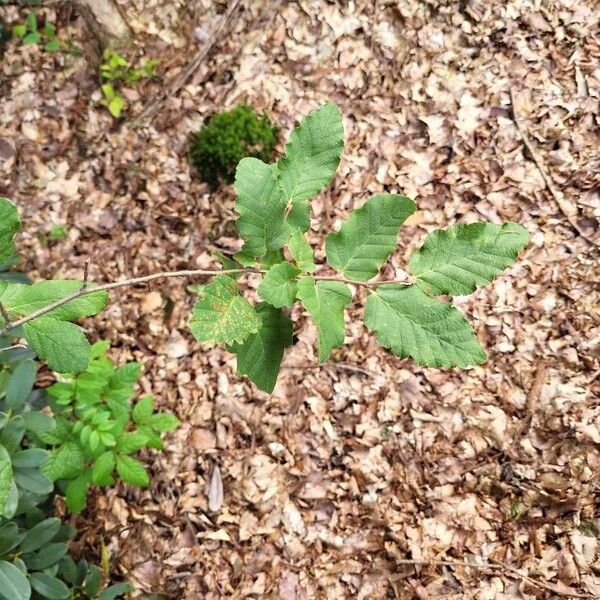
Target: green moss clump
(228, 137)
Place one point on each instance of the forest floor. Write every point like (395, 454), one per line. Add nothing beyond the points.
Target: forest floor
(353, 470)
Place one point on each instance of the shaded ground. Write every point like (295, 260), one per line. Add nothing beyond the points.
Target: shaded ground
(350, 468)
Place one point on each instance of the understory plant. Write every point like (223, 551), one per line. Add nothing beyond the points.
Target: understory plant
(410, 317)
(34, 545)
(116, 72)
(228, 137)
(30, 33)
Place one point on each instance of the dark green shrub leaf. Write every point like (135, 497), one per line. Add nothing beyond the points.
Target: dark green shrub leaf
(367, 238)
(49, 555)
(93, 581)
(457, 260)
(412, 324)
(115, 591)
(13, 583)
(40, 535)
(20, 384)
(49, 587)
(6, 477)
(29, 458)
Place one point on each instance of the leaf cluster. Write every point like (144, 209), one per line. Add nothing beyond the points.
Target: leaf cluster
(115, 72)
(34, 545)
(30, 33)
(273, 204)
(228, 137)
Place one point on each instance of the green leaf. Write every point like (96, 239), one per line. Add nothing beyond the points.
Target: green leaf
(13, 583)
(33, 481)
(458, 260)
(143, 410)
(164, 422)
(29, 458)
(93, 581)
(261, 207)
(19, 31)
(115, 591)
(49, 555)
(40, 535)
(312, 157)
(302, 252)
(6, 477)
(31, 21)
(64, 462)
(367, 238)
(115, 106)
(49, 587)
(76, 495)
(32, 38)
(53, 46)
(108, 91)
(259, 357)
(9, 226)
(325, 302)
(20, 384)
(42, 293)
(103, 469)
(131, 442)
(132, 471)
(411, 323)
(223, 315)
(61, 344)
(279, 285)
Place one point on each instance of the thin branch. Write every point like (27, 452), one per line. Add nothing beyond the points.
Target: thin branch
(498, 567)
(569, 211)
(14, 347)
(86, 289)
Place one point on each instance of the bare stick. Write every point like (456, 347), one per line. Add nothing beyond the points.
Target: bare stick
(192, 66)
(86, 289)
(562, 204)
(498, 567)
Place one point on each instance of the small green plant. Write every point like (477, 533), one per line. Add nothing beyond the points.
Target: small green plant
(30, 34)
(273, 203)
(97, 429)
(116, 71)
(57, 233)
(227, 138)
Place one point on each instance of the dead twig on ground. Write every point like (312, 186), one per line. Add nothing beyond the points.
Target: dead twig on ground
(150, 109)
(503, 569)
(563, 205)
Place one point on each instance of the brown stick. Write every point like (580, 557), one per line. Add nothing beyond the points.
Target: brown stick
(151, 108)
(87, 289)
(562, 204)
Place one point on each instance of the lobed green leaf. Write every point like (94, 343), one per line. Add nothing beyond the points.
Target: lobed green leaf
(458, 260)
(367, 238)
(302, 252)
(412, 324)
(279, 285)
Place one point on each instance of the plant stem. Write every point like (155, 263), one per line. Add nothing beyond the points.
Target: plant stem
(91, 289)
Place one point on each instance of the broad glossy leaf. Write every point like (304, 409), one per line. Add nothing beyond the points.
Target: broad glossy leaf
(259, 357)
(115, 591)
(33, 480)
(311, 158)
(49, 555)
(13, 583)
(29, 458)
(223, 315)
(42, 293)
(20, 384)
(6, 477)
(49, 586)
(325, 302)
(279, 285)
(39, 535)
(9, 226)
(261, 208)
(458, 260)
(368, 236)
(412, 324)
(60, 343)
(302, 252)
